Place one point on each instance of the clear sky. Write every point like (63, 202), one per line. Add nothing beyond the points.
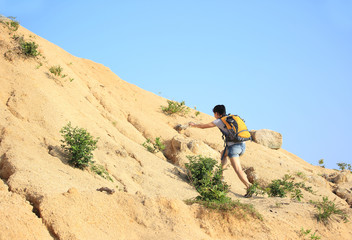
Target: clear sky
(280, 65)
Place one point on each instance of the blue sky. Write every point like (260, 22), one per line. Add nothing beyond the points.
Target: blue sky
(281, 65)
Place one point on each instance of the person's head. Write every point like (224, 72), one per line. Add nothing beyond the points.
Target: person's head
(219, 111)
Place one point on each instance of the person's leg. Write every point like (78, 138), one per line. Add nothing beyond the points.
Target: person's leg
(224, 160)
(236, 164)
(234, 153)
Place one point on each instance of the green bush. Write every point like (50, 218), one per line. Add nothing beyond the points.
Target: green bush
(154, 147)
(29, 48)
(175, 107)
(56, 70)
(255, 189)
(281, 187)
(327, 209)
(344, 166)
(79, 144)
(321, 163)
(205, 175)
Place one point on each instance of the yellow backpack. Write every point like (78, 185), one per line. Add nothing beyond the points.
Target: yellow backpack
(237, 129)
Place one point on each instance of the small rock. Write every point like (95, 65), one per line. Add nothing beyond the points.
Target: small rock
(72, 192)
(180, 127)
(106, 189)
(349, 200)
(9, 55)
(121, 152)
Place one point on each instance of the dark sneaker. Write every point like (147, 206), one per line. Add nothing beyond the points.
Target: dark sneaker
(248, 194)
(250, 191)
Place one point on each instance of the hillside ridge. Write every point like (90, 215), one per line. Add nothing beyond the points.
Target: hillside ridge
(43, 197)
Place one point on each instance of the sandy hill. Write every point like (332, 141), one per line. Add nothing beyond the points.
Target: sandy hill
(43, 197)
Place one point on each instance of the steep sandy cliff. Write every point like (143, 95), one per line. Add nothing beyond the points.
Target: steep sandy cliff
(43, 197)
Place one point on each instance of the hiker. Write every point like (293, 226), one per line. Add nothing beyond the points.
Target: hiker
(233, 150)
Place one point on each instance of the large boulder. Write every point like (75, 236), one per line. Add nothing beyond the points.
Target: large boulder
(268, 138)
(179, 147)
(339, 177)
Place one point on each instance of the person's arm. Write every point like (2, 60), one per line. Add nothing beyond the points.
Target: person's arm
(202, 125)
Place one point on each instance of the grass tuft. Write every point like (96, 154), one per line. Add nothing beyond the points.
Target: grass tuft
(175, 107)
(327, 209)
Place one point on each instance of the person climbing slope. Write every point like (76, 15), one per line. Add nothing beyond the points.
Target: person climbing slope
(235, 145)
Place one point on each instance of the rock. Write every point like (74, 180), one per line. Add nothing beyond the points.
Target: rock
(268, 138)
(340, 178)
(72, 193)
(349, 200)
(106, 189)
(194, 146)
(9, 55)
(121, 152)
(252, 177)
(318, 181)
(180, 127)
(179, 147)
(56, 151)
(341, 192)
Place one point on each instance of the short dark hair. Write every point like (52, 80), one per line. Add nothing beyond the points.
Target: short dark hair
(220, 109)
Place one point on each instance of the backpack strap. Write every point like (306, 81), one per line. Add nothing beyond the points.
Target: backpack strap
(224, 152)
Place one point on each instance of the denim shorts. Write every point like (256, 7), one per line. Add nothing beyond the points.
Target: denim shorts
(236, 149)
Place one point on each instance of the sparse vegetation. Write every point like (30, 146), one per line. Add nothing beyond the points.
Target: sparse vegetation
(154, 147)
(229, 205)
(13, 24)
(327, 209)
(304, 234)
(175, 107)
(39, 65)
(255, 189)
(302, 175)
(197, 112)
(101, 171)
(281, 187)
(277, 205)
(344, 166)
(321, 163)
(79, 144)
(56, 70)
